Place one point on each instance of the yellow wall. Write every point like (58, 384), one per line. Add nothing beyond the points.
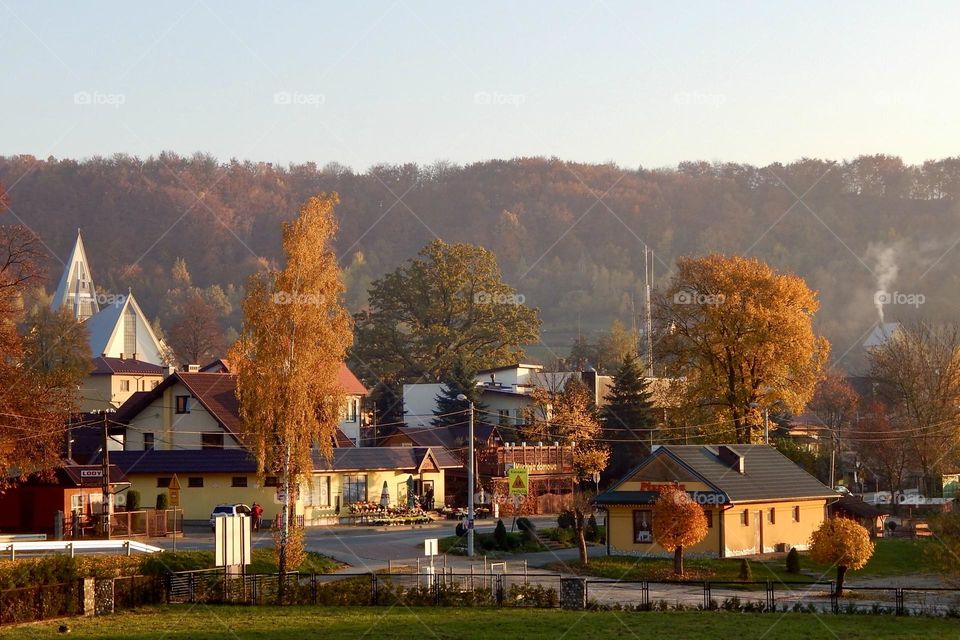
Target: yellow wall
(198, 502)
(737, 539)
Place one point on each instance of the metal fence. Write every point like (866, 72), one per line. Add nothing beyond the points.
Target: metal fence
(813, 596)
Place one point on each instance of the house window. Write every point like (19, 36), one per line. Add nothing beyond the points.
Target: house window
(148, 441)
(352, 410)
(642, 526)
(745, 518)
(124, 385)
(183, 404)
(709, 515)
(163, 482)
(238, 481)
(354, 488)
(195, 482)
(504, 416)
(212, 440)
(271, 481)
(796, 514)
(772, 517)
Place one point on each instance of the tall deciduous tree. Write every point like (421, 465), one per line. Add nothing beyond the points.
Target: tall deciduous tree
(628, 417)
(835, 405)
(882, 449)
(449, 304)
(678, 522)
(743, 337)
(294, 339)
(39, 370)
(841, 543)
(919, 368)
(195, 335)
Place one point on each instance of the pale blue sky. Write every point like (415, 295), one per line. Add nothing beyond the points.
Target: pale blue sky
(635, 83)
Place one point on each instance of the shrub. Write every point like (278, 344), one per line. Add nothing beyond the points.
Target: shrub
(793, 561)
(746, 573)
(163, 502)
(565, 520)
(529, 530)
(564, 536)
(500, 535)
(133, 500)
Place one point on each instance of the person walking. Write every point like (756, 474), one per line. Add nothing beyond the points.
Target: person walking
(257, 516)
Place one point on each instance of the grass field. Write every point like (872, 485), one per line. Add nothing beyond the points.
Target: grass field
(262, 561)
(891, 558)
(242, 623)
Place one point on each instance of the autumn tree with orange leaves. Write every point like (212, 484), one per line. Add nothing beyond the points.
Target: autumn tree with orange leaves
(741, 335)
(294, 339)
(678, 522)
(842, 543)
(40, 369)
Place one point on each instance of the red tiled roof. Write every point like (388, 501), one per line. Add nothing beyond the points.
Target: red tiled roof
(348, 381)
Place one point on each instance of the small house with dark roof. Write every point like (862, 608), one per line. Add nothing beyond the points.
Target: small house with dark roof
(756, 500)
(188, 431)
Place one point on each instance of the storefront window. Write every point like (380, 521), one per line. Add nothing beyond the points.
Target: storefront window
(642, 526)
(354, 488)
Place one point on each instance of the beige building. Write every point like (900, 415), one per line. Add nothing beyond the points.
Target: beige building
(755, 500)
(114, 380)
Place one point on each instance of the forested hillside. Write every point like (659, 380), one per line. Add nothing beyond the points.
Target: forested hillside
(568, 236)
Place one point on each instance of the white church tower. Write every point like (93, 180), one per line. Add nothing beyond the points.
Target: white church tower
(120, 329)
(76, 291)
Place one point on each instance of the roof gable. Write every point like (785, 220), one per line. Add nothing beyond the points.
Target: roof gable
(75, 291)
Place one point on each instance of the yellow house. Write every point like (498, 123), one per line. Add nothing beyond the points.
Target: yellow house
(755, 499)
(186, 433)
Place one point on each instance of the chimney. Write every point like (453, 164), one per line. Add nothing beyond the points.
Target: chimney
(732, 459)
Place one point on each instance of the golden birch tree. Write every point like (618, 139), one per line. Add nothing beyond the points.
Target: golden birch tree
(841, 543)
(294, 338)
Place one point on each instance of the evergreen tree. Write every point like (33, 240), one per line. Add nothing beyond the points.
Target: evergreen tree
(461, 379)
(629, 415)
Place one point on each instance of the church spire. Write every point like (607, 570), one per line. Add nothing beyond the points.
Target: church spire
(76, 292)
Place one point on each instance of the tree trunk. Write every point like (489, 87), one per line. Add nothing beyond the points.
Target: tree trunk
(841, 572)
(678, 561)
(579, 524)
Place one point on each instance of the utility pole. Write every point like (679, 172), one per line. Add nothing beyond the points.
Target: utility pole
(470, 513)
(105, 472)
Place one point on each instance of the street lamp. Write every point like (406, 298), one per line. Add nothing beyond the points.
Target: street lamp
(470, 513)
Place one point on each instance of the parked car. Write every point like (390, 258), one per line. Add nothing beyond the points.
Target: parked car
(228, 510)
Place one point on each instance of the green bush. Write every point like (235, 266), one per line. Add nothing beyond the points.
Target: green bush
(38, 571)
(163, 502)
(793, 561)
(565, 520)
(133, 500)
(591, 532)
(746, 573)
(564, 536)
(527, 528)
(500, 535)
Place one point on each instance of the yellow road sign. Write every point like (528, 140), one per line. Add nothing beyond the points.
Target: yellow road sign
(519, 481)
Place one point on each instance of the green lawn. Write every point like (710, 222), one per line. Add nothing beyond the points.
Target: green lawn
(892, 558)
(262, 562)
(398, 623)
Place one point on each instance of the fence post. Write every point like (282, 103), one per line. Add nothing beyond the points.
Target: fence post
(771, 597)
(375, 590)
(645, 595)
(706, 595)
(524, 572)
(436, 590)
(190, 586)
(901, 609)
(313, 587)
(389, 566)
(834, 597)
(499, 587)
(126, 547)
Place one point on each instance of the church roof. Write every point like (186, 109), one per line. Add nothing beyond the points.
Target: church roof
(76, 291)
(106, 326)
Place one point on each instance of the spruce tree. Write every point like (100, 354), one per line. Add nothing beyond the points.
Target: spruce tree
(627, 418)
(461, 379)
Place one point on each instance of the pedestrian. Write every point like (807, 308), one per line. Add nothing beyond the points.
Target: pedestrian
(257, 516)
(428, 498)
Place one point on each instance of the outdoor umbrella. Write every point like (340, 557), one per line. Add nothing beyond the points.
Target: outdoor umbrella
(410, 496)
(385, 496)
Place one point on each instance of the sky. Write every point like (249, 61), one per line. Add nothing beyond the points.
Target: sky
(362, 83)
